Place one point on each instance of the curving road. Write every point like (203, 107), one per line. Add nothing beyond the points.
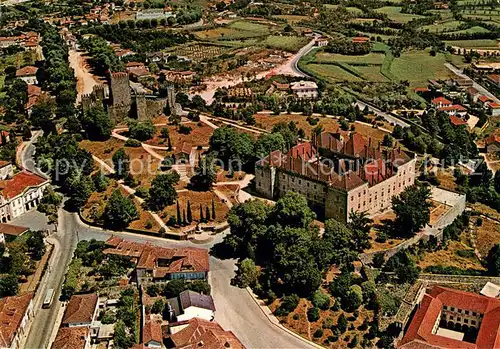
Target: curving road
(236, 309)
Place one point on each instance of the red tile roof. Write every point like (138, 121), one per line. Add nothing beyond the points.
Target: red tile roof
(441, 100)
(420, 332)
(80, 309)
(204, 334)
(10, 188)
(305, 151)
(492, 139)
(71, 338)
(493, 105)
(34, 90)
(14, 230)
(494, 77)
(360, 39)
(152, 332)
(455, 120)
(12, 311)
(484, 99)
(421, 89)
(26, 71)
(454, 107)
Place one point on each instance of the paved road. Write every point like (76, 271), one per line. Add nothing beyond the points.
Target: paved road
(478, 87)
(388, 117)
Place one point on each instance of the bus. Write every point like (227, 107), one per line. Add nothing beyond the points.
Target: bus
(49, 297)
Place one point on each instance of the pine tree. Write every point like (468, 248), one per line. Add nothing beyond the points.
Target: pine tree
(169, 144)
(179, 222)
(189, 213)
(207, 213)
(213, 209)
(201, 214)
(184, 221)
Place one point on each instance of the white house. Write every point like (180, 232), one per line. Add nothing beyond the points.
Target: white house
(305, 89)
(192, 304)
(28, 74)
(16, 314)
(19, 192)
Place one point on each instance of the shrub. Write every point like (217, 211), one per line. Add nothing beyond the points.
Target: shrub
(313, 314)
(131, 142)
(321, 300)
(148, 225)
(288, 304)
(318, 333)
(185, 129)
(296, 316)
(142, 192)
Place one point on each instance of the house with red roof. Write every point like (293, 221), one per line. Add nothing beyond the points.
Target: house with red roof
(493, 108)
(484, 100)
(19, 192)
(494, 79)
(493, 143)
(16, 313)
(27, 74)
(454, 109)
(455, 120)
(354, 175)
(453, 319)
(440, 102)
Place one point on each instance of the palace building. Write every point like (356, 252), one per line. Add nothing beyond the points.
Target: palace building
(338, 173)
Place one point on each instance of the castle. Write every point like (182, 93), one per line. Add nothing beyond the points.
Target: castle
(338, 173)
(122, 103)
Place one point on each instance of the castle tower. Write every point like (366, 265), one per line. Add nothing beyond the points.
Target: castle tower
(142, 108)
(98, 91)
(120, 90)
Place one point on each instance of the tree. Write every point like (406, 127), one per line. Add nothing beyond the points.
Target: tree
(493, 260)
(97, 124)
(378, 260)
(352, 299)
(205, 175)
(121, 339)
(100, 181)
(342, 323)
(247, 273)
(158, 306)
(165, 133)
(360, 227)
(179, 219)
(496, 181)
(119, 211)
(321, 300)
(313, 314)
(207, 213)
(189, 213)
(8, 285)
(288, 304)
(141, 130)
(79, 187)
(162, 192)
(36, 245)
(121, 163)
(292, 210)
(173, 288)
(412, 208)
(214, 216)
(231, 145)
(43, 113)
(269, 142)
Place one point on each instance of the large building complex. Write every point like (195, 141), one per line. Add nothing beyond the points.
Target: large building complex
(15, 316)
(448, 318)
(338, 173)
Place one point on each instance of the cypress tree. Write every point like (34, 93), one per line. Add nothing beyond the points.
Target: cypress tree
(179, 222)
(184, 217)
(201, 214)
(213, 209)
(189, 213)
(207, 213)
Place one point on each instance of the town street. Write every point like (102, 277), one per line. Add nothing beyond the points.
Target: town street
(236, 309)
(478, 87)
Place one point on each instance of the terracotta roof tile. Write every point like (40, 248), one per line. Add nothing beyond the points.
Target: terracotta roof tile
(26, 71)
(71, 338)
(152, 332)
(441, 100)
(80, 309)
(455, 120)
(12, 311)
(10, 188)
(14, 230)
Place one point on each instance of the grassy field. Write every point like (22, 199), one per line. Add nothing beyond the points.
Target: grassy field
(250, 26)
(394, 14)
(333, 72)
(419, 66)
(370, 73)
(443, 27)
(236, 30)
(481, 43)
(292, 19)
(286, 43)
(472, 30)
(371, 58)
(353, 10)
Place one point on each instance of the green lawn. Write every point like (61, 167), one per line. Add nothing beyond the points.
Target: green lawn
(249, 26)
(395, 15)
(472, 30)
(419, 66)
(332, 72)
(286, 43)
(370, 73)
(371, 58)
(441, 27)
(481, 43)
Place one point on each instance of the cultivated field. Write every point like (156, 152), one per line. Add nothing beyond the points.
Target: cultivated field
(371, 58)
(419, 66)
(395, 15)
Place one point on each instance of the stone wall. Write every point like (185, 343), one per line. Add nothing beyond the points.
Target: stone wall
(120, 90)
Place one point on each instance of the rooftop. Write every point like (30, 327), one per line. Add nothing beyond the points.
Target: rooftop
(190, 298)
(10, 188)
(303, 85)
(80, 309)
(71, 338)
(13, 230)
(26, 71)
(12, 310)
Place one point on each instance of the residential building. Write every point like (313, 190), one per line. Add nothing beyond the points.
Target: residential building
(352, 175)
(305, 89)
(72, 338)
(10, 230)
(484, 100)
(155, 263)
(321, 41)
(449, 318)
(19, 192)
(360, 39)
(493, 143)
(16, 313)
(199, 333)
(152, 334)
(454, 109)
(81, 310)
(494, 79)
(455, 120)
(27, 74)
(494, 108)
(191, 305)
(307, 32)
(440, 102)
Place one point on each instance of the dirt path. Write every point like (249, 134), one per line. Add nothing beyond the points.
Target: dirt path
(85, 81)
